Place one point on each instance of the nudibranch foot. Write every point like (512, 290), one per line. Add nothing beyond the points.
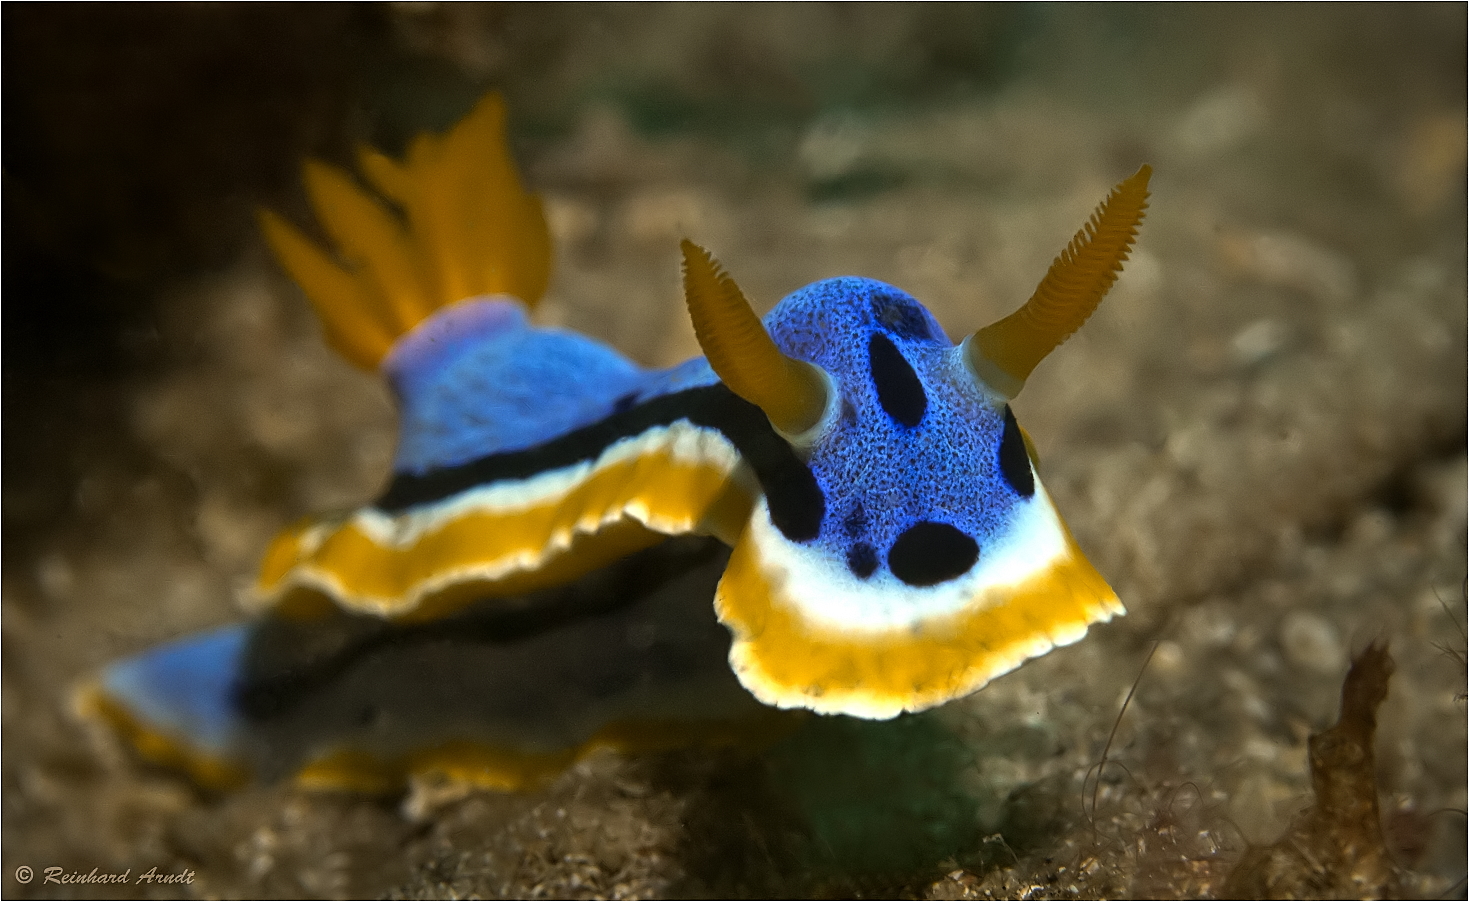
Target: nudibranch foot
(503, 696)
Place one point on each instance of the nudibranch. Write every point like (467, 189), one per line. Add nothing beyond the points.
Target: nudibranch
(890, 544)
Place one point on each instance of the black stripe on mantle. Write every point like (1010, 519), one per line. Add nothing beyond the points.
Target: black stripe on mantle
(796, 502)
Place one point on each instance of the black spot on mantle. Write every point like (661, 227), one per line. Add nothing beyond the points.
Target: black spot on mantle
(1014, 462)
(862, 560)
(929, 553)
(898, 388)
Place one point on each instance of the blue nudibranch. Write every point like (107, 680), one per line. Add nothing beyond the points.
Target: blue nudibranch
(892, 545)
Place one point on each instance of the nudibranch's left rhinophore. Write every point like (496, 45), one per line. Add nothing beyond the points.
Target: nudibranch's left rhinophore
(892, 545)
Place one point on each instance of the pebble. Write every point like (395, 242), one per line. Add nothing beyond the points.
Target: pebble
(1444, 487)
(662, 217)
(1256, 806)
(1207, 625)
(1221, 120)
(1289, 260)
(1259, 341)
(1312, 643)
(833, 146)
(570, 220)
(1429, 169)
(1169, 659)
(56, 576)
(234, 534)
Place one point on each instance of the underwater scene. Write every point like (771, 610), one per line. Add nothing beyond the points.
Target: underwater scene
(611, 451)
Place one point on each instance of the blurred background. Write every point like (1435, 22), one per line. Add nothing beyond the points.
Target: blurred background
(1259, 438)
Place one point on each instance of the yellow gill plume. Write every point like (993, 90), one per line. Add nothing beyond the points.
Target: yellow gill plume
(792, 393)
(1004, 354)
(460, 224)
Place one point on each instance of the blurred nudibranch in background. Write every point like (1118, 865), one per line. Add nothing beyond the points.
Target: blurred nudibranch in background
(847, 486)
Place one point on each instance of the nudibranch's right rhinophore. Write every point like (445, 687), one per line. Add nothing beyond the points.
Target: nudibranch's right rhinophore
(892, 545)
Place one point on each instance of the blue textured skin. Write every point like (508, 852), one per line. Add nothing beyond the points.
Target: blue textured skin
(879, 476)
(186, 688)
(478, 379)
